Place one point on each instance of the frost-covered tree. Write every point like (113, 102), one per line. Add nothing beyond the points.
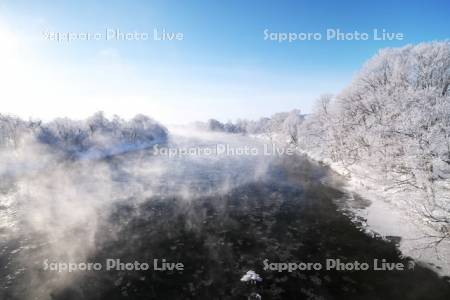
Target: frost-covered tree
(395, 118)
(13, 130)
(281, 125)
(76, 137)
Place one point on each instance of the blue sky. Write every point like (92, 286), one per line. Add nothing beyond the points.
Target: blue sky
(223, 68)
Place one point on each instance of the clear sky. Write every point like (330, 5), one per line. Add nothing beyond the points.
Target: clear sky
(222, 68)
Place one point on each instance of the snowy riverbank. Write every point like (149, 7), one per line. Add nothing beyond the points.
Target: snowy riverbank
(392, 214)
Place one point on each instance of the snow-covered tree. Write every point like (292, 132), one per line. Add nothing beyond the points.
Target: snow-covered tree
(395, 118)
(76, 137)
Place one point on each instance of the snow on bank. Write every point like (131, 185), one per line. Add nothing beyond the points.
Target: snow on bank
(26, 145)
(391, 214)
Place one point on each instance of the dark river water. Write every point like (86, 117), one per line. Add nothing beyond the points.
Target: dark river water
(219, 217)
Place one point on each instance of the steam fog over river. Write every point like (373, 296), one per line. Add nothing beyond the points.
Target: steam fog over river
(218, 216)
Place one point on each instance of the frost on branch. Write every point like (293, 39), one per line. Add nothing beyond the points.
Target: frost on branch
(97, 136)
(394, 118)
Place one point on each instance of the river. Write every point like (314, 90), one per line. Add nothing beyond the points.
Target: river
(218, 216)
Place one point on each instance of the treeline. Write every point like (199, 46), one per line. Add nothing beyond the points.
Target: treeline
(77, 137)
(393, 119)
(285, 123)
